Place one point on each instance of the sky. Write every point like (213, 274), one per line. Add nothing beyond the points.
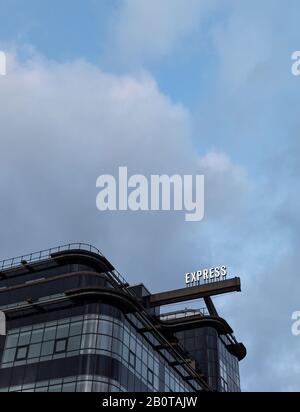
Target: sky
(162, 87)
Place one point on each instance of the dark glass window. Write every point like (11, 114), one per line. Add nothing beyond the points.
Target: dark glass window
(90, 326)
(131, 359)
(62, 331)
(9, 355)
(22, 352)
(105, 327)
(150, 376)
(37, 336)
(34, 350)
(88, 341)
(47, 348)
(75, 328)
(74, 343)
(11, 341)
(60, 345)
(50, 333)
(24, 338)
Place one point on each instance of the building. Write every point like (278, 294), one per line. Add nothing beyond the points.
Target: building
(75, 324)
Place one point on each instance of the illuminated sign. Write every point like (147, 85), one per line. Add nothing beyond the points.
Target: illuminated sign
(210, 274)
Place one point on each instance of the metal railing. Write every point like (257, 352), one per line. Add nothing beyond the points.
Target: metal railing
(45, 254)
(185, 313)
(120, 280)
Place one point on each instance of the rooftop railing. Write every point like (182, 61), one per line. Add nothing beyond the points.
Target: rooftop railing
(45, 254)
(185, 313)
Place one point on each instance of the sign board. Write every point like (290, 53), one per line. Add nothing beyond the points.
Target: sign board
(209, 274)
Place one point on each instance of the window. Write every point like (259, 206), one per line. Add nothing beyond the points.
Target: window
(150, 376)
(125, 352)
(74, 343)
(105, 327)
(60, 345)
(116, 346)
(75, 328)
(24, 338)
(105, 342)
(34, 350)
(69, 387)
(88, 341)
(131, 359)
(138, 366)
(37, 336)
(126, 337)
(47, 348)
(139, 350)
(21, 353)
(50, 333)
(90, 326)
(62, 331)
(9, 355)
(11, 341)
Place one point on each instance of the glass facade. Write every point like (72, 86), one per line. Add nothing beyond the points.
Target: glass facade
(80, 383)
(90, 334)
(217, 363)
(229, 377)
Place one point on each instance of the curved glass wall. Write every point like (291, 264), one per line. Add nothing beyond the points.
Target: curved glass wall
(137, 365)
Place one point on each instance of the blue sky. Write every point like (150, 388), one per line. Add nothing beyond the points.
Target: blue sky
(66, 30)
(62, 30)
(169, 86)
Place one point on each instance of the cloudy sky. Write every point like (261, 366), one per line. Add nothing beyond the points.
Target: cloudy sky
(162, 86)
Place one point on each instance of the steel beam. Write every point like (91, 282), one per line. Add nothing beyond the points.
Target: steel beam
(196, 292)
